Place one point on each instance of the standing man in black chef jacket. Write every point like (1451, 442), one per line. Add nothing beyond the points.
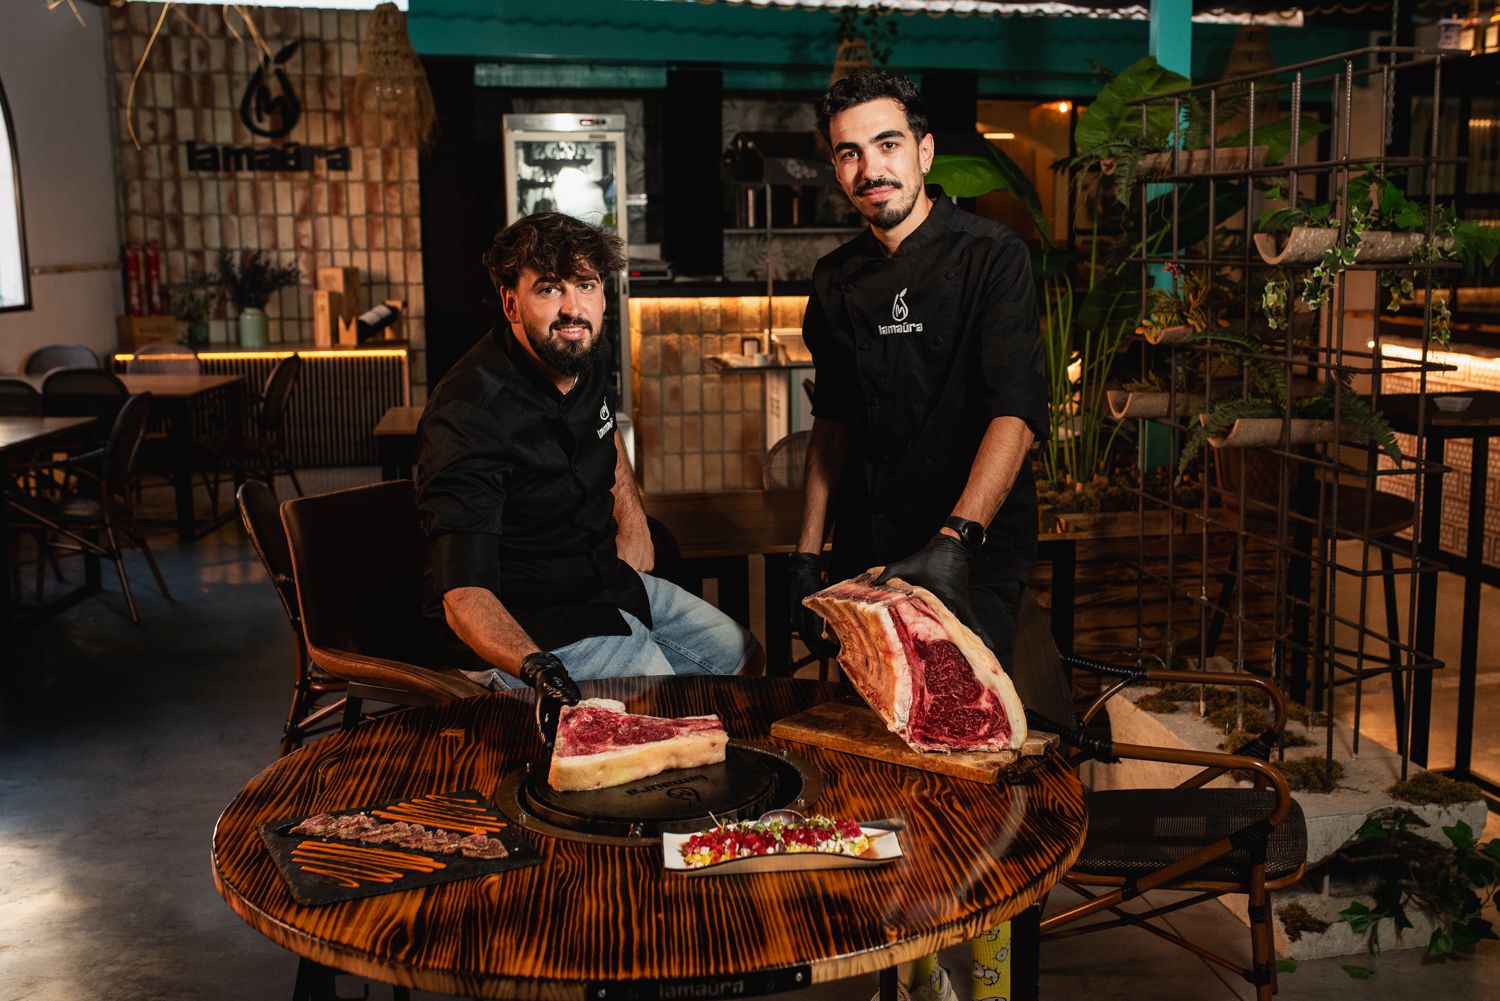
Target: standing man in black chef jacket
(538, 552)
(930, 381)
(930, 391)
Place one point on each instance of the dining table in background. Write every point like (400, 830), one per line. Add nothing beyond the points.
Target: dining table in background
(179, 400)
(600, 919)
(1479, 423)
(20, 436)
(396, 441)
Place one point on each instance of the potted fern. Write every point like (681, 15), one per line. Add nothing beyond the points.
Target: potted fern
(249, 279)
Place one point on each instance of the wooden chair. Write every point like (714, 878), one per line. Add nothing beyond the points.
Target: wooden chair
(262, 453)
(1210, 842)
(309, 713)
(97, 499)
(45, 359)
(357, 559)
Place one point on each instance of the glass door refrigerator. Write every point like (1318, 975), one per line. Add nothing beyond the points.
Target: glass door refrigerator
(576, 164)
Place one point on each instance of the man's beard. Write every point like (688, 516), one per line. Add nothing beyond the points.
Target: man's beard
(892, 212)
(566, 357)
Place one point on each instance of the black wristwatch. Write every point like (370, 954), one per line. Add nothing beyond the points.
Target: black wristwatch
(970, 533)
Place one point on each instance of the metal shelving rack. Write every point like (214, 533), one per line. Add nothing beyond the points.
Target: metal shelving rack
(1315, 650)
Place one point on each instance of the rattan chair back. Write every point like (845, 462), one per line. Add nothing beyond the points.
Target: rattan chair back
(786, 463)
(84, 392)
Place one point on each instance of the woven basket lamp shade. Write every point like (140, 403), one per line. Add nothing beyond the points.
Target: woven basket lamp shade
(853, 55)
(391, 96)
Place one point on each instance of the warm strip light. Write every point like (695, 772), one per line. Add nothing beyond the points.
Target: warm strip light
(1475, 363)
(999, 135)
(1483, 123)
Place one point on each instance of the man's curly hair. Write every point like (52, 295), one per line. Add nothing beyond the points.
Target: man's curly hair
(867, 85)
(555, 246)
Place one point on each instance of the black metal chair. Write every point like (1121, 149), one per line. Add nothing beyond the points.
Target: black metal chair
(95, 498)
(309, 713)
(84, 392)
(19, 398)
(45, 359)
(1209, 841)
(262, 453)
(164, 359)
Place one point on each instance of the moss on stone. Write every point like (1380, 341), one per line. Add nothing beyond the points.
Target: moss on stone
(1240, 737)
(1227, 720)
(1156, 703)
(1307, 774)
(1297, 919)
(1438, 790)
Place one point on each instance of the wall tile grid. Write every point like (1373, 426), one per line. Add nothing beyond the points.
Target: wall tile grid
(697, 427)
(191, 89)
(1472, 373)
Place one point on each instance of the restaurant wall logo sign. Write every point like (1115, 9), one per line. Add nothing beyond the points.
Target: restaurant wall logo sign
(269, 108)
(899, 313)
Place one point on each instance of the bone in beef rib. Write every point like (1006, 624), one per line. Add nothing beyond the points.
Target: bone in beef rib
(599, 744)
(935, 683)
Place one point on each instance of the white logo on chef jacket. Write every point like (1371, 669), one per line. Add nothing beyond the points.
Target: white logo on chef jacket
(609, 422)
(899, 313)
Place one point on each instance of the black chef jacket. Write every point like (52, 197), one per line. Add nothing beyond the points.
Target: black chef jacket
(922, 350)
(514, 492)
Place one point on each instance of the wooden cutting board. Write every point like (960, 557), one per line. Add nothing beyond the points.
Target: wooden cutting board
(848, 725)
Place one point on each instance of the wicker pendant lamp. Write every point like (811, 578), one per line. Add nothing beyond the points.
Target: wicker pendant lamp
(853, 54)
(392, 100)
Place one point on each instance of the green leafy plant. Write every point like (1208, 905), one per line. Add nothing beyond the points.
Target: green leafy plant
(1454, 884)
(249, 279)
(1193, 301)
(193, 302)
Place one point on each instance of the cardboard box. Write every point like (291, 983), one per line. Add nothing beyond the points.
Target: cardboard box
(344, 281)
(135, 331)
(328, 310)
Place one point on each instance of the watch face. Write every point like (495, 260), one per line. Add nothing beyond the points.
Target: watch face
(973, 535)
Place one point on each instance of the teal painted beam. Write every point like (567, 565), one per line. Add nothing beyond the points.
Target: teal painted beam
(1171, 35)
(791, 49)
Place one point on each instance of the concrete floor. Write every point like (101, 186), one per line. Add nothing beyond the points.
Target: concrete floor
(120, 744)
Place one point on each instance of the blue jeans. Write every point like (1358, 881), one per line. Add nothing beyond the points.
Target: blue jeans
(690, 636)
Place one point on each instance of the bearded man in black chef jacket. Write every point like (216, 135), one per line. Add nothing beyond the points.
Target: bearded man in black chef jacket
(930, 382)
(930, 391)
(538, 551)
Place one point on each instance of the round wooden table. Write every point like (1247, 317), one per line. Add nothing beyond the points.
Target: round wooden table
(600, 922)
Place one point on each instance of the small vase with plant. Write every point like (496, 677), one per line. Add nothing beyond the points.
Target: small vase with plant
(193, 303)
(249, 279)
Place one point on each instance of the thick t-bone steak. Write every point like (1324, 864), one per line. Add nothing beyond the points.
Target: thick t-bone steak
(599, 744)
(925, 673)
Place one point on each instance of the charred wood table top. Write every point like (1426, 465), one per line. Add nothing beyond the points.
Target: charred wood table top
(605, 921)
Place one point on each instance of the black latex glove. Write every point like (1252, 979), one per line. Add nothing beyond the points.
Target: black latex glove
(554, 689)
(942, 567)
(805, 575)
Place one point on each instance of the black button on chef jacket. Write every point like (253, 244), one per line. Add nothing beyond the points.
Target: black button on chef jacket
(922, 349)
(514, 494)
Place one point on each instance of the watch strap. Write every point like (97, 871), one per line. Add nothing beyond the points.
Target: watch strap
(971, 533)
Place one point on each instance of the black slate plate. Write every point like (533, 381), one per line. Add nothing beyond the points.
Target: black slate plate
(313, 889)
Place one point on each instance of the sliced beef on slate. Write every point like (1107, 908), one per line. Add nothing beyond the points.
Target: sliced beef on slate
(600, 745)
(934, 682)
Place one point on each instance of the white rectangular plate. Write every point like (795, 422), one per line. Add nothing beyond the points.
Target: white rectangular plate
(885, 848)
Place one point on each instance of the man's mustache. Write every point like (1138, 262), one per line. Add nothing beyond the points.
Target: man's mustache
(877, 182)
(572, 321)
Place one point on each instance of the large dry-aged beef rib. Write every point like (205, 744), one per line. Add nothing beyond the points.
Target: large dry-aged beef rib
(599, 744)
(934, 682)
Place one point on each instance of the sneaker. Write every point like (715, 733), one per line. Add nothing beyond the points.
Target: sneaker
(938, 988)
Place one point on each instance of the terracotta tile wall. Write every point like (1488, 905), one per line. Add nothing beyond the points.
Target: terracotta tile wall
(698, 428)
(1472, 372)
(367, 217)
